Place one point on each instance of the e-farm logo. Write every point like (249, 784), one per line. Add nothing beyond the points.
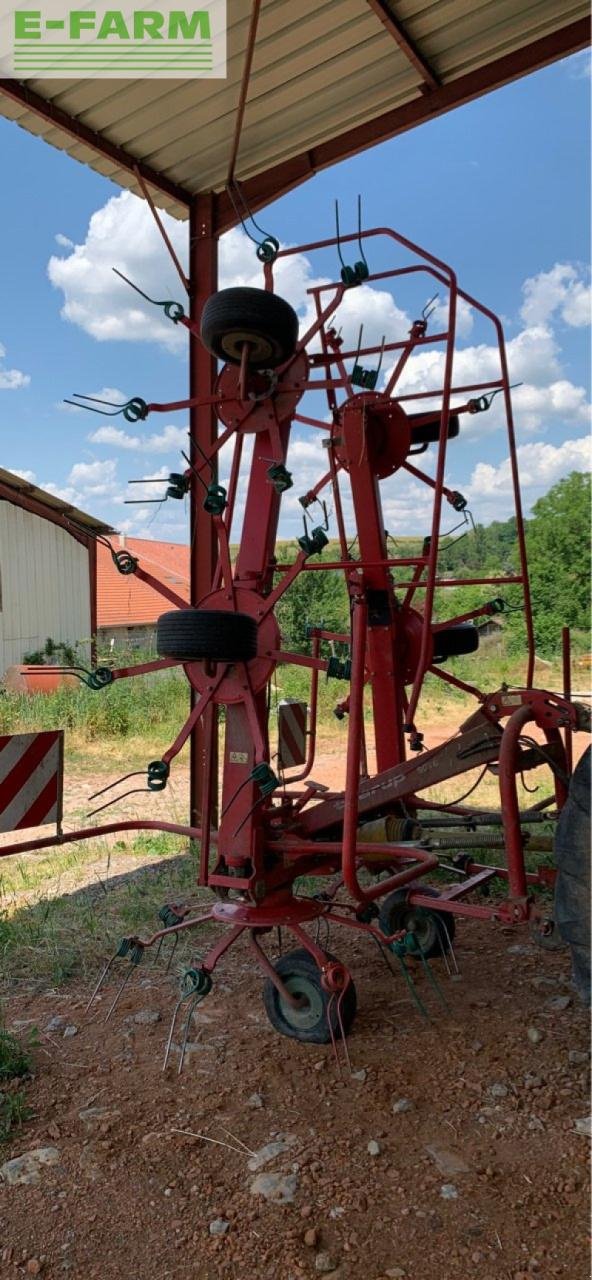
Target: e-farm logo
(49, 40)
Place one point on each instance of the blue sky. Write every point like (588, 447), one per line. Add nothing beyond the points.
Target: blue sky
(499, 189)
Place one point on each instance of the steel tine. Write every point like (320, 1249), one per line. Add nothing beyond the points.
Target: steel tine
(332, 1034)
(171, 1032)
(100, 982)
(173, 949)
(450, 947)
(196, 1000)
(342, 1029)
(121, 991)
(413, 991)
(432, 978)
(443, 952)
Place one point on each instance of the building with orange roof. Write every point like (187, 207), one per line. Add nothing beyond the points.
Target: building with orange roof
(127, 608)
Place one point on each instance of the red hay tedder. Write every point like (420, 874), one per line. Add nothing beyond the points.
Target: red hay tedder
(372, 845)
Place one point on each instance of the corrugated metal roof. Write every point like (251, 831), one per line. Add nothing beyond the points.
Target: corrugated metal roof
(24, 490)
(319, 69)
(126, 601)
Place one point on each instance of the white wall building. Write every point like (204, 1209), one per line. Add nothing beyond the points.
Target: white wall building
(47, 571)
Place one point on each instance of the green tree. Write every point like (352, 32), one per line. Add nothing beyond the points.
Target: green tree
(558, 545)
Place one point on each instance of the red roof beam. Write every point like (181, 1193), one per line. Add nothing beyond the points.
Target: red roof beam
(427, 75)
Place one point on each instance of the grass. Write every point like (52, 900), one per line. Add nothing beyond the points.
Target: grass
(64, 912)
(15, 1063)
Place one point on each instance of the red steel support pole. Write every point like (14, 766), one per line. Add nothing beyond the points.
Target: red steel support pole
(508, 760)
(203, 281)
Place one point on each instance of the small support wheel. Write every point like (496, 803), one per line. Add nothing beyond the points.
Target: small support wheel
(309, 1022)
(214, 635)
(434, 930)
(267, 322)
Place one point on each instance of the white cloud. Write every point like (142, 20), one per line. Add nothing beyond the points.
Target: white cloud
(563, 290)
(540, 466)
(115, 436)
(64, 241)
(170, 439)
(24, 475)
(94, 478)
(533, 361)
(123, 234)
(11, 379)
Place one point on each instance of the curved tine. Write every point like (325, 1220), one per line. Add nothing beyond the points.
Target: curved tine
(248, 212)
(432, 979)
(105, 413)
(134, 792)
(360, 245)
(172, 955)
(413, 991)
(450, 947)
(338, 233)
(430, 306)
(171, 1032)
(443, 950)
(380, 356)
(229, 187)
(197, 999)
(332, 1033)
(341, 1026)
(194, 470)
(114, 404)
(135, 774)
(155, 301)
(359, 344)
(121, 990)
(105, 970)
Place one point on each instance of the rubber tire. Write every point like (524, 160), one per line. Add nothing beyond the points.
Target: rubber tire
(429, 432)
(395, 913)
(300, 963)
(573, 883)
(215, 635)
(454, 641)
(234, 316)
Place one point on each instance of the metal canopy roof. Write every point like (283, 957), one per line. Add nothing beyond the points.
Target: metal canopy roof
(327, 80)
(14, 488)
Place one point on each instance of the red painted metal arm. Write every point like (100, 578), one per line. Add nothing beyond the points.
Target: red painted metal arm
(150, 581)
(196, 714)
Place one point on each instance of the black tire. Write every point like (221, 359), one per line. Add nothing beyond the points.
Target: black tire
(451, 642)
(266, 321)
(195, 635)
(434, 930)
(429, 432)
(301, 975)
(573, 883)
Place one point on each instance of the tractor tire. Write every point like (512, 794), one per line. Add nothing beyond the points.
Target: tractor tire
(429, 432)
(454, 641)
(573, 883)
(434, 930)
(214, 635)
(310, 1024)
(267, 322)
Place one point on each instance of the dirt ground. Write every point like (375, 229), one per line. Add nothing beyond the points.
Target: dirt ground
(452, 1151)
(479, 1173)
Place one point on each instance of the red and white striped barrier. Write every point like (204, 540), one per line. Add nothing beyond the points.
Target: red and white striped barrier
(31, 779)
(292, 717)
